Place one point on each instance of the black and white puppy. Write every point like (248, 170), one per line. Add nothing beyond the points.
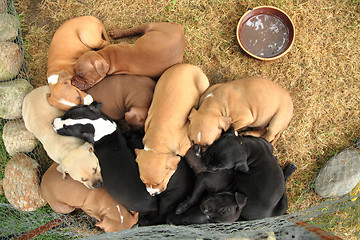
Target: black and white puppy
(119, 169)
(257, 173)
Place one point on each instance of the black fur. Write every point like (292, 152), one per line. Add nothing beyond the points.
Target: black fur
(257, 173)
(120, 171)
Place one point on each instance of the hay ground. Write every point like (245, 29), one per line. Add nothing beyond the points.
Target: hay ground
(321, 72)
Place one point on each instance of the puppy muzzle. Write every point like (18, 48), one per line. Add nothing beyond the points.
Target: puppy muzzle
(97, 184)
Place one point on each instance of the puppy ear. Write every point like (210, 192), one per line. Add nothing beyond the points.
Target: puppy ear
(64, 76)
(137, 151)
(240, 199)
(61, 170)
(224, 123)
(242, 166)
(173, 161)
(89, 147)
(89, 137)
(101, 67)
(95, 106)
(192, 112)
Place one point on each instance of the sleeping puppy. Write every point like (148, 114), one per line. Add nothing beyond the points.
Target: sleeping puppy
(206, 182)
(248, 102)
(118, 167)
(72, 39)
(161, 46)
(166, 141)
(126, 96)
(86, 122)
(66, 195)
(214, 208)
(257, 173)
(73, 155)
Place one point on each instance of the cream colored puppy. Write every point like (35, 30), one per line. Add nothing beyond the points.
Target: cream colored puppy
(176, 92)
(73, 155)
(251, 102)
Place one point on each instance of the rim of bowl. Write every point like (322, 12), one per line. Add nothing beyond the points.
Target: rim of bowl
(246, 14)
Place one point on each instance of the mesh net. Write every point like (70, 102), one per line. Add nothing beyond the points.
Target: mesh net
(15, 139)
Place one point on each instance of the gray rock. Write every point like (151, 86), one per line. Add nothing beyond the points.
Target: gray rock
(17, 138)
(340, 174)
(11, 60)
(9, 27)
(12, 94)
(3, 6)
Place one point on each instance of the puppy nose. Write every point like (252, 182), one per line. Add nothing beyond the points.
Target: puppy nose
(97, 184)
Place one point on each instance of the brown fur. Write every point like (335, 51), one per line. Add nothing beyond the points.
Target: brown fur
(66, 195)
(161, 46)
(248, 102)
(126, 96)
(73, 38)
(165, 140)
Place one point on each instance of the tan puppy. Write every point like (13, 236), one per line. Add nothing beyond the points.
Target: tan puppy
(248, 102)
(64, 95)
(126, 96)
(64, 196)
(177, 91)
(72, 39)
(75, 156)
(161, 46)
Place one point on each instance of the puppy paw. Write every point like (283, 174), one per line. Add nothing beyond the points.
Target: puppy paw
(115, 33)
(182, 208)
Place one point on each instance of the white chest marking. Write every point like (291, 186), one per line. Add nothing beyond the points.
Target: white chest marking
(53, 79)
(209, 95)
(148, 149)
(121, 216)
(102, 126)
(199, 136)
(88, 99)
(67, 103)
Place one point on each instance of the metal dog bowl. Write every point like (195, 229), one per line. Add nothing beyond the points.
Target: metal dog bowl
(265, 33)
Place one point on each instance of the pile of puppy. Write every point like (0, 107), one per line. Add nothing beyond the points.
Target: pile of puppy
(183, 161)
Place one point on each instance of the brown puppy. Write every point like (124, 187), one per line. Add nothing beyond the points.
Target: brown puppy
(177, 91)
(64, 96)
(66, 195)
(75, 156)
(73, 38)
(126, 96)
(161, 46)
(248, 102)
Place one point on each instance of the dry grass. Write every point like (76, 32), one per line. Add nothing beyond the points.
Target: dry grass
(321, 72)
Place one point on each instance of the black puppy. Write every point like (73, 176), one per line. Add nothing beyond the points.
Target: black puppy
(87, 122)
(212, 199)
(257, 173)
(214, 208)
(118, 166)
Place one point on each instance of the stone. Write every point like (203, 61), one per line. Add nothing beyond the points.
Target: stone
(11, 60)
(3, 6)
(17, 138)
(21, 183)
(9, 27)
(12, 94)
(340, 174)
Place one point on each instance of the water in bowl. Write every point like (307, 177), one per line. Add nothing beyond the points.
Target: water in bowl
(265, 35)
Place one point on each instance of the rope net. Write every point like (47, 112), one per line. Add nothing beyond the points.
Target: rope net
(17, 209)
